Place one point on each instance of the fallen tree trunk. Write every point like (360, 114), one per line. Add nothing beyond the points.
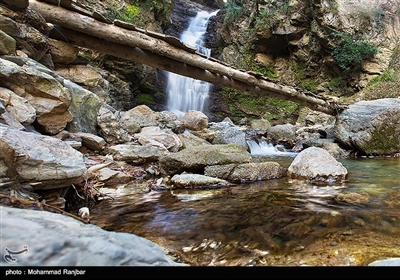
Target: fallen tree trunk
(88, 32)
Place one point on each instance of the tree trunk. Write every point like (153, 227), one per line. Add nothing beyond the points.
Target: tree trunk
(156, 50)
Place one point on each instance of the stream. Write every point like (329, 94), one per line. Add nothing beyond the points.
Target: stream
(277, 222)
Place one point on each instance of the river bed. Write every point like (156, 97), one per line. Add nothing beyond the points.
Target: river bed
(278, 222)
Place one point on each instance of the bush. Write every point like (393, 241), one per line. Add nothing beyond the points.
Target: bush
(233, 11)
(350, 51)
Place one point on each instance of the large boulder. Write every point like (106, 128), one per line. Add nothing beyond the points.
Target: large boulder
(317, 165)
(57, 240)
(44, 162)
(371, 127)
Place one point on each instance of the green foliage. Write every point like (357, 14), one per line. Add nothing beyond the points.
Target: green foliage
(129, 14)
(233, 11)
(159, 7)
(265, 19)
(268, 72)
(310, 85)
(385, 77)
(350, 51)
(145, 99)
(248, 105)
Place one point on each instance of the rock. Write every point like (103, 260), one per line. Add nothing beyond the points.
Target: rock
(318, 165)
(231, 135)
(165, 137)
(196, 181)
(372, 127)
(135, 154)
(43, 161)
(44, 92)
(54, 239)
(261, 125)
(110, 127)
(112, 177)
(251, 172)
(91, 141)
(18, 107)
(194, 120)
(387, 262)
(282, 134)
(189, 140)
(349, 198)
(140, 116)
(62, 52)
(195, 158)
(84, 108)
(7, 43)
(246, 172)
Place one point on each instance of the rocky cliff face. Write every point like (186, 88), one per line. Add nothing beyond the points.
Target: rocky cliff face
(312, 44)
(292, 42)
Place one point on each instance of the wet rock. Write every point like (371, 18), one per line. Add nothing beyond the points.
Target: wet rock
(352, 198)
(197, 180)
(246, 172)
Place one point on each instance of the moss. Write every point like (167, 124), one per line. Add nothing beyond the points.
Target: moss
(145, 99)
(251, 106)
(385, 141)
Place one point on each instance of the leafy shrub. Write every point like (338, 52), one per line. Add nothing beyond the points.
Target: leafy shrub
(233, 11)
(350, 51)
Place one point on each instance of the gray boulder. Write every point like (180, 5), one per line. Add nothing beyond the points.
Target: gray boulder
(57, 240)
(372, 127)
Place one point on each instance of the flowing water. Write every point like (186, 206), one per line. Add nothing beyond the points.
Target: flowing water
(278, 222)
(184, 93)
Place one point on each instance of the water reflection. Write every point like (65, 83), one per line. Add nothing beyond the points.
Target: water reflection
(258, 222)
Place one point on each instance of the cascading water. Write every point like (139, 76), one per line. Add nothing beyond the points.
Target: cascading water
(184, 93)
(265, 148)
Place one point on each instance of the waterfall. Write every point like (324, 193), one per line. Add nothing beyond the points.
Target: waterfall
(184, 93)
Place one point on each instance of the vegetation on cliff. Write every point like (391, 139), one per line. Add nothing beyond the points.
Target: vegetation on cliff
(338, 49)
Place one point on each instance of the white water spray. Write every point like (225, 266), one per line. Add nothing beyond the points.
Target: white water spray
(184, 93)
(264, 148)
